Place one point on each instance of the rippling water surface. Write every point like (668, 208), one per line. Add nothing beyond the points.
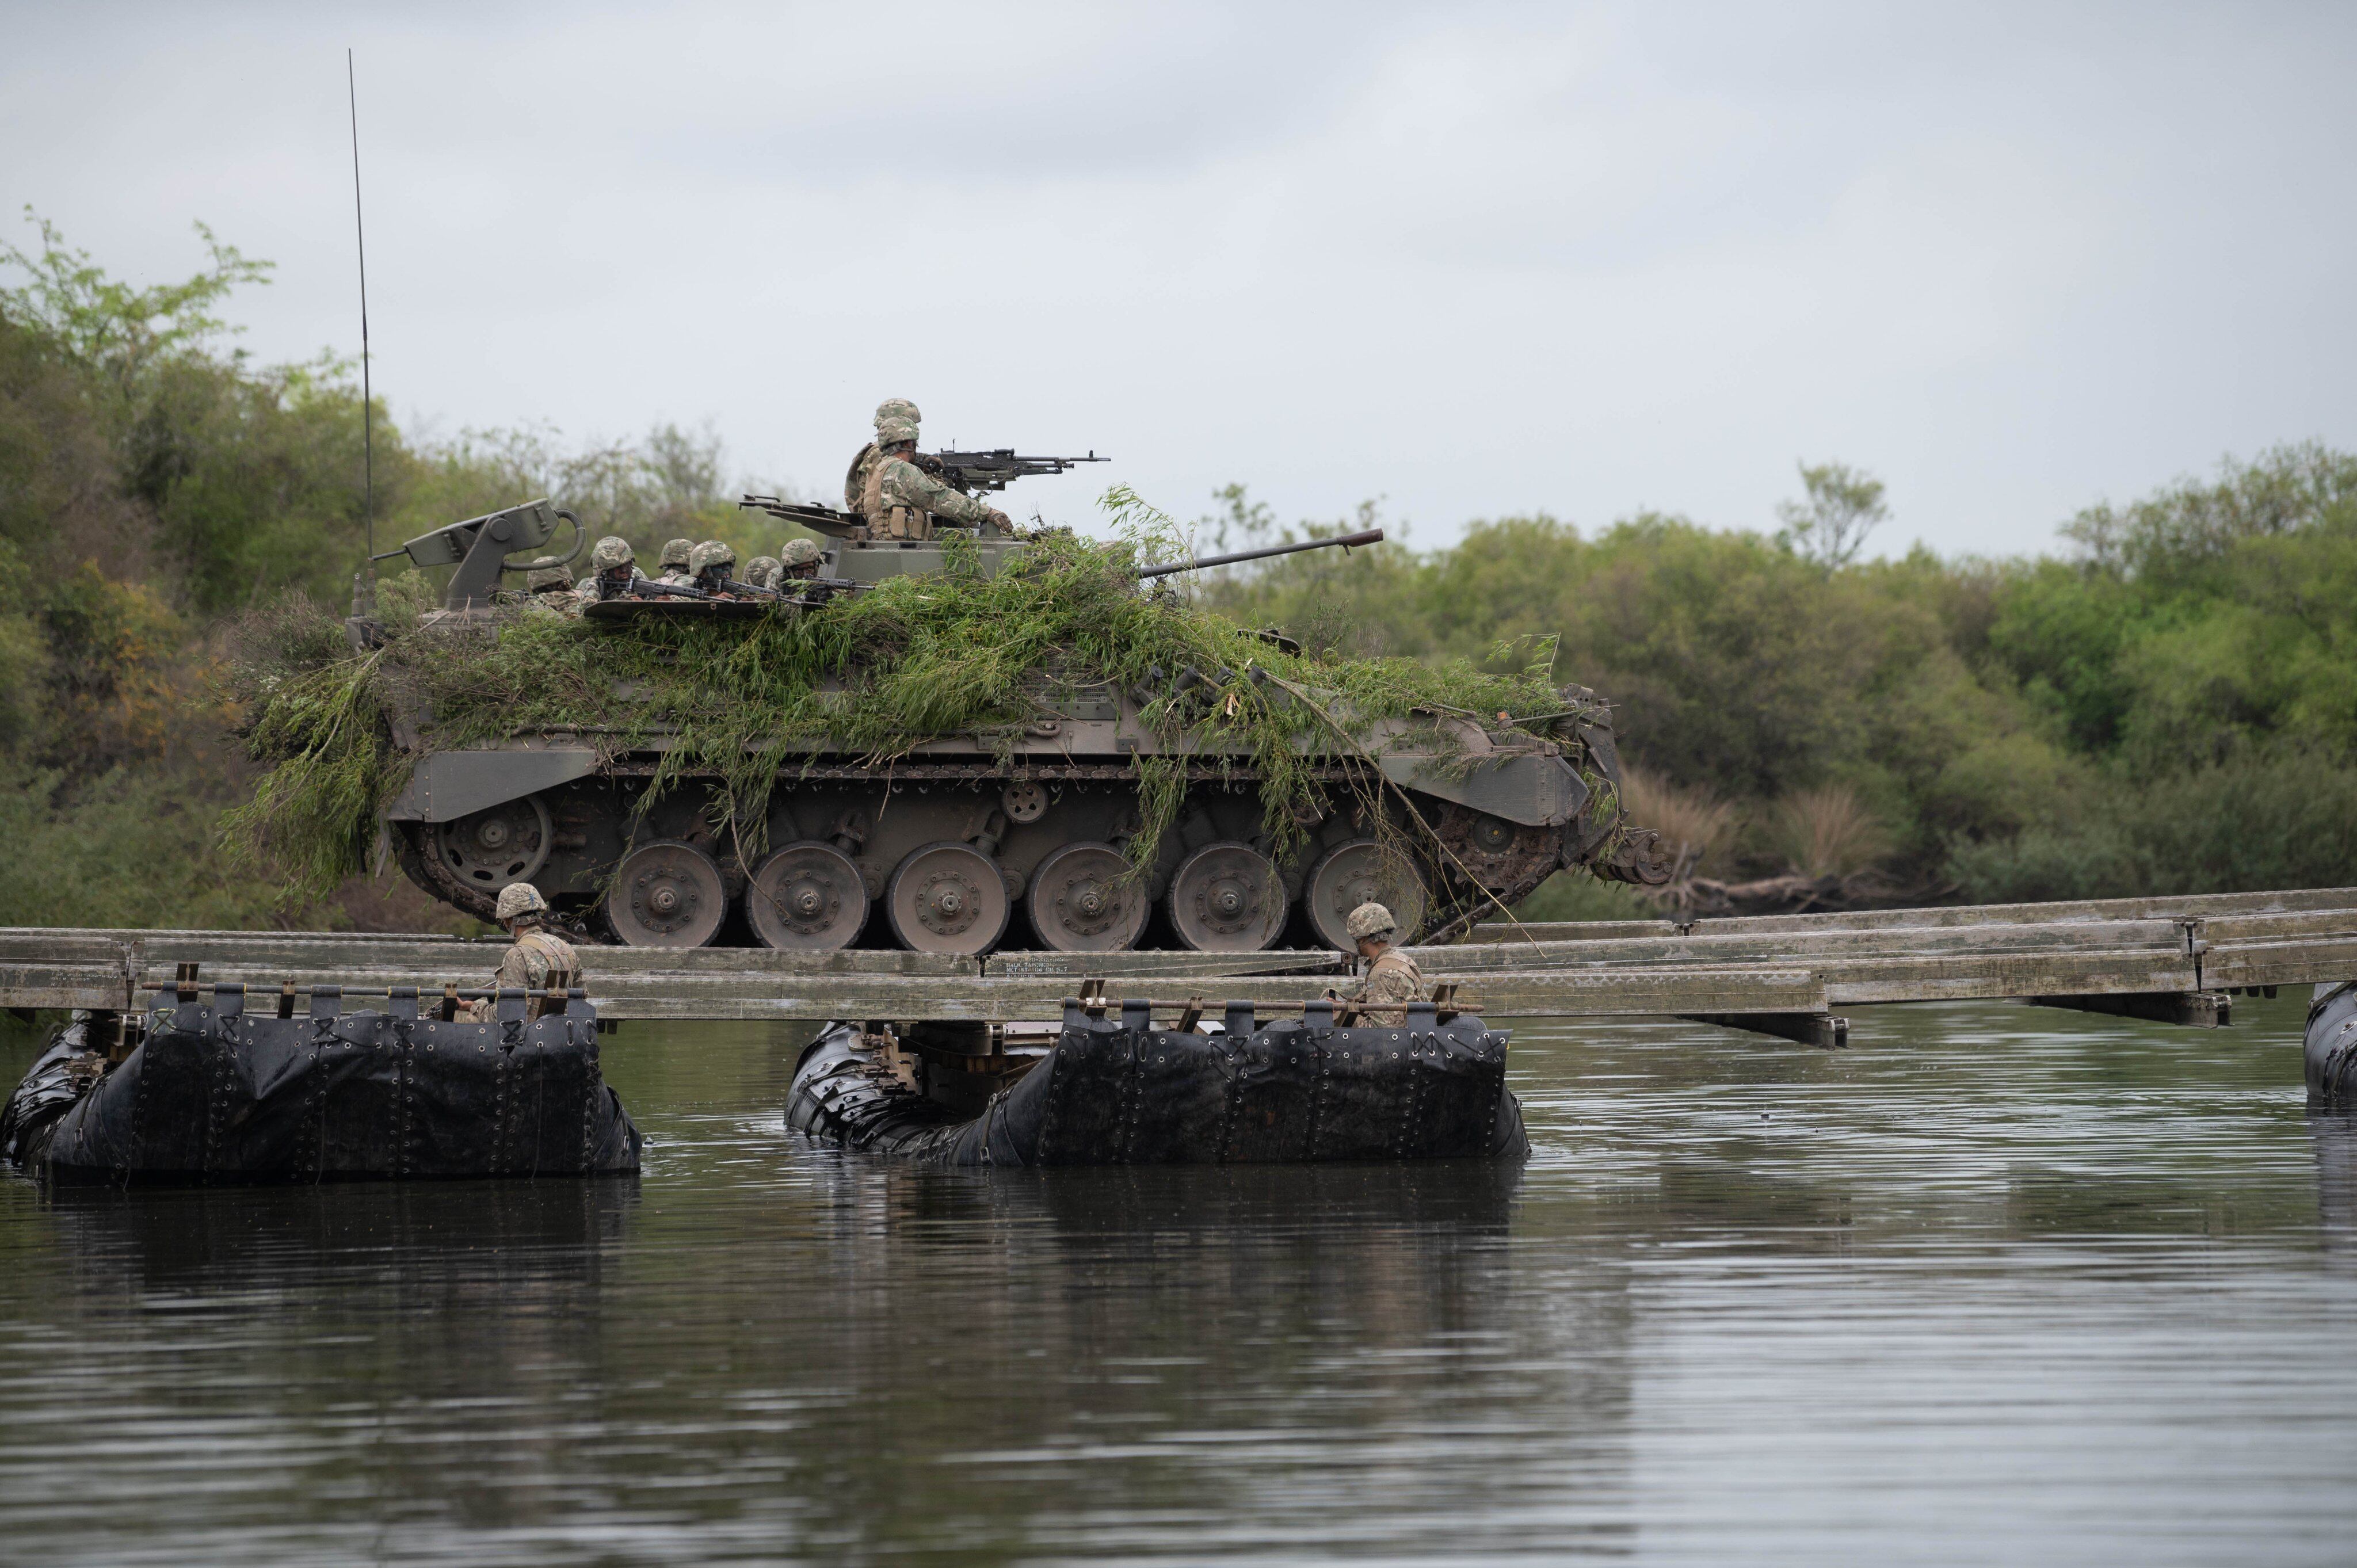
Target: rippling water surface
(1994, 1285)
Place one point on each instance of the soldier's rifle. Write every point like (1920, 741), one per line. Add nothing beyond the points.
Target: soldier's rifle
(650, 588)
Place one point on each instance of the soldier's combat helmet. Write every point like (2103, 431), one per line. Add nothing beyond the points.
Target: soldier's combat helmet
(892, 432)
(676, 552)
(609, 553)
(896, 408)
(549, 577)
(1370, 920)
(799, 553)
(762, 571)
(710, 554)
(518, 899)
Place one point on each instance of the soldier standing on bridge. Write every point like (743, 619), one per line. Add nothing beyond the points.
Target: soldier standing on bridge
(1391, 980)
(540, 961)
(897, 499)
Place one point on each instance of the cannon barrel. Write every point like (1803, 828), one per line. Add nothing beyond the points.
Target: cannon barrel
(1367, 536)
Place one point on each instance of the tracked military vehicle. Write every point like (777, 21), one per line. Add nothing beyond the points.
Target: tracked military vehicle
(970, 842)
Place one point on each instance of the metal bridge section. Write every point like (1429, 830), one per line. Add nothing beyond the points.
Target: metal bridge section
(1787, 975)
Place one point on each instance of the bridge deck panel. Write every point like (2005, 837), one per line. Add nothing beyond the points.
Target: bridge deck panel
(1766, 964)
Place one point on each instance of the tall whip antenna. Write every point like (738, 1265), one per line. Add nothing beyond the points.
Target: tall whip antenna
(368, 401)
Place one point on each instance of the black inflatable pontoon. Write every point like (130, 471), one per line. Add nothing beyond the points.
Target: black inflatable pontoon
(1119, 1091)
(218, 1094)
(2331, 1048)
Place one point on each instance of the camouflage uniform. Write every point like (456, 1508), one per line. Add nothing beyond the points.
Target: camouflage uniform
(1381, 995)
(675, 561)
(800, 559)
(855, 483)
(1391, 980)
(551, 588)
(708, 567)
(900, 499)
(539, 960)
(612, 553)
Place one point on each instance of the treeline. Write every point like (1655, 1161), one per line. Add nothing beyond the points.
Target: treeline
(2169, 705)
(155, 481)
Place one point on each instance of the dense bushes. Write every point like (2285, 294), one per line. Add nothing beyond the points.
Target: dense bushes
(2171, 706)
(2016, 729)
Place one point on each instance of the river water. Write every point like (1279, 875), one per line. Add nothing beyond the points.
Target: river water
(1996, 1284)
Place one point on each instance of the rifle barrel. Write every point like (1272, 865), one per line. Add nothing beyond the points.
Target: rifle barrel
(1367, 536)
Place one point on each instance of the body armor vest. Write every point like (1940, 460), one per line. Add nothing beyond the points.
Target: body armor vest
(891, 521)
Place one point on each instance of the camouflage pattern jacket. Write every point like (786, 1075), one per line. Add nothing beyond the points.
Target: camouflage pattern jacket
(538, 960)
(900, 500)
(1381, 995)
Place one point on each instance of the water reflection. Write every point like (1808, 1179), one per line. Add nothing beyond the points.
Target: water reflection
(2027, 1285)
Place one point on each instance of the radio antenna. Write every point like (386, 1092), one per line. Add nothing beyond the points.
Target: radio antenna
(368, 401)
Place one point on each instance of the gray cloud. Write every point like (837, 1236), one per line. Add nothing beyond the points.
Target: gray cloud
(1476, 259)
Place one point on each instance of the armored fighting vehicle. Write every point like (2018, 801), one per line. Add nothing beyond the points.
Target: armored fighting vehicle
(969, 842)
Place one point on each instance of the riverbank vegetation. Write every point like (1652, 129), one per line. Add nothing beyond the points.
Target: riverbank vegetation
(2166, 703)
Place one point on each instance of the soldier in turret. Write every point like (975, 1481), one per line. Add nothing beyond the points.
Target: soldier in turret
(855, 483)
(1391, 979)
(540, 959)
(551, 588)
(761, 572)
(898, 499)
(709, 567)
(799, 559)
(613, 567)
(675, 552)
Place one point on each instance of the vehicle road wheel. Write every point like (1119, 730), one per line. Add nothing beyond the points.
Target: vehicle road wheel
(947, 898)
(490, 849)
(1227, 897)
(666, 895)
(1362, 872)
(807, 898)
(1079, 902)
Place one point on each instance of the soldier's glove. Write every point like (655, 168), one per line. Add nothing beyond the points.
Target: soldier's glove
(998, 521)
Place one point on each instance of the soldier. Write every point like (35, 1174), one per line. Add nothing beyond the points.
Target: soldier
(675, 552)
(763, 571)
(614, 569)
(855, 483)
(900, 500)
(799, 560)
(709, 566)
(540, 961)
(551, 588)
(1391, 979)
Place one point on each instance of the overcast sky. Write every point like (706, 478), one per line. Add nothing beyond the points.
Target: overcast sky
(1477, 259)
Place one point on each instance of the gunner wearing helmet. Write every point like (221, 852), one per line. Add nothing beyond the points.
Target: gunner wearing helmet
(539, 962)
(1391, 980)
(897, 499)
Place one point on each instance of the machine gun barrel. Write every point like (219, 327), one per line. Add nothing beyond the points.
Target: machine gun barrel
(1367, 536)
(996, 468)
